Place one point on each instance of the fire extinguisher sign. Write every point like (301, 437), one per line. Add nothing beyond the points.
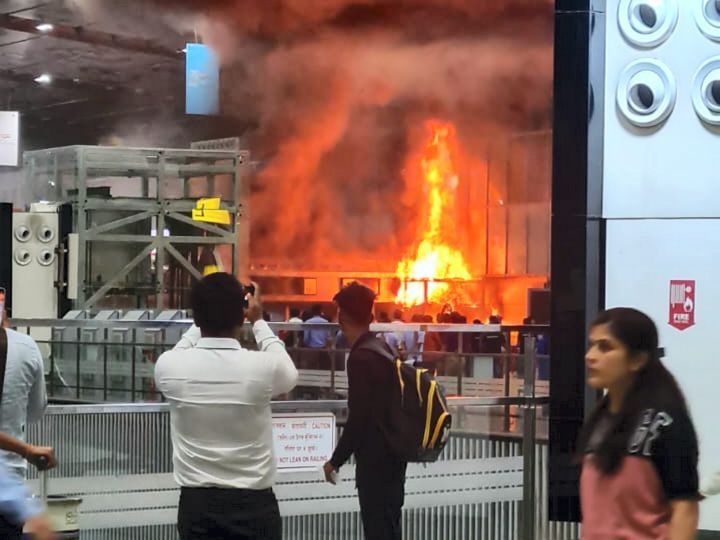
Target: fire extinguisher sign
(682, 304)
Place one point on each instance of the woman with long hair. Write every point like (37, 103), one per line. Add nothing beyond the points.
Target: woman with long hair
(638, 449)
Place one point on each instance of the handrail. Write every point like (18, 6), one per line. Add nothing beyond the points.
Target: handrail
(280, 326)
(283, 406)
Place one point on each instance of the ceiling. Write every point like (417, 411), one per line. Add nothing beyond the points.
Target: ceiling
(112, 66)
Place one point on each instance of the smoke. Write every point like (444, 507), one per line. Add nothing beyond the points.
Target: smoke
(338, 109)
(339, 92)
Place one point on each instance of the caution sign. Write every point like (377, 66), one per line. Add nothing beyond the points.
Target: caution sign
(303, 441)
(208, 210)
(682, 304)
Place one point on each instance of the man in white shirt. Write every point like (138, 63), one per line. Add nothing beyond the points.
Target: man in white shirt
(23, 401)
(219, 395)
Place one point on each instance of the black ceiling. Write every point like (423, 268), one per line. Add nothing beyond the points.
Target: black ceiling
(110, 66)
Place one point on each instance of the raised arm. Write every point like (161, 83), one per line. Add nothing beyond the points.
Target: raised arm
(189, 339)
(285, 373)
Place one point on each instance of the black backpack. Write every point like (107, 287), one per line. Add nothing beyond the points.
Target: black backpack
(419, 421)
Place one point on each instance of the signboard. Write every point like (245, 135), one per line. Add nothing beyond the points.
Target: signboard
(682, 304)
(9, 138)
(303, 442)
(202, 80)
(208, 210)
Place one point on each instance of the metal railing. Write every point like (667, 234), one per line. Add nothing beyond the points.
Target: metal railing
(112, 360)
(486, 486)
(494, 418)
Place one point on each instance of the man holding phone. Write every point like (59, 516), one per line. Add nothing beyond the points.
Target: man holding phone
(219, 396)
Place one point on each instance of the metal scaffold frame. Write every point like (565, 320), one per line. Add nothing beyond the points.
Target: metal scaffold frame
(163, 196)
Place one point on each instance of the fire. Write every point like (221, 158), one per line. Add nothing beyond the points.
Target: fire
(428, 276)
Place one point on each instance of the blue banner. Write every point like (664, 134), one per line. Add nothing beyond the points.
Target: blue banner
(202, 80)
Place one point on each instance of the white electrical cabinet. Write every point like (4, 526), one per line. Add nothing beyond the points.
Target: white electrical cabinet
(35, 263)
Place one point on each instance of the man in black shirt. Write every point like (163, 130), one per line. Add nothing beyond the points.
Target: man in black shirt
(379, 473)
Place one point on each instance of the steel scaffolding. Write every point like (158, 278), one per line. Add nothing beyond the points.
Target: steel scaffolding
(132, 209)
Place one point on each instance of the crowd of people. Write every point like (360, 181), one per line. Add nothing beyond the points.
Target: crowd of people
(442, 352)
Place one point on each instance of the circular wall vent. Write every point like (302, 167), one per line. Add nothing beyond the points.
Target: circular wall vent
(706, 92)
(22, 257)
(646, 93)
(707, 15)
(46, 234)
(647, 23)
(46, 257)
(22, 233)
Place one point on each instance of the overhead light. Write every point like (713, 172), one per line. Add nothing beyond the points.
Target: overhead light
(45, 27)
(45, 78)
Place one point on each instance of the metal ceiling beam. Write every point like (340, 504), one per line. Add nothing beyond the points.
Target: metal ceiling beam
(84, 35)
(57, 82)
(27, 8)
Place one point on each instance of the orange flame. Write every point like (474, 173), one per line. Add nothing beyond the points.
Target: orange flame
(427, 278)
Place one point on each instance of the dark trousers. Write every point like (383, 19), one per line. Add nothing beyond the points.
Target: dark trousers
(232, 514)
(381, 509)
(8, 531)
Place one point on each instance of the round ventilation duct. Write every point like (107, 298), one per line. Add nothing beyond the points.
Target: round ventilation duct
(46, 257)
(646, 93)
(706, 92)
(22, 256)
(707, 14)
(46, 234)
(22, 233)
(647, 23)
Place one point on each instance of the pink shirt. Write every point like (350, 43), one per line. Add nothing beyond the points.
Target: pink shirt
(628, 505)
(634, 502)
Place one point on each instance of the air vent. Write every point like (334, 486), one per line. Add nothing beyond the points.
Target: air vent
(706, 92)
(46, 234)
(707, 15)
(647, 23)
(22, 233)
(22, 257)
(46, 257)
(646, 93)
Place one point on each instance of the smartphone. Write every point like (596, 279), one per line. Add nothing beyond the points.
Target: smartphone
(2, 305)
(247, 289)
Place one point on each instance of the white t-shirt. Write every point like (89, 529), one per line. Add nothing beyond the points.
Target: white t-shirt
(219, 396)
(24, 399)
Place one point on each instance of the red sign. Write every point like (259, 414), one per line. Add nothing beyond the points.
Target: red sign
(682, 304)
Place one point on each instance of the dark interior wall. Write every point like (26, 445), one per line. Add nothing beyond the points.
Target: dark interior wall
(164, 129)
(577, 233)
(6, 210)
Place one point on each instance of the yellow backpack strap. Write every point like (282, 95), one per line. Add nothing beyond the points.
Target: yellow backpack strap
(428, 417)
(418, 376)
(438, 425)
(398, 365)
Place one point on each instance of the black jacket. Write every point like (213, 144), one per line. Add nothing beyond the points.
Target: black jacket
(372, 385)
